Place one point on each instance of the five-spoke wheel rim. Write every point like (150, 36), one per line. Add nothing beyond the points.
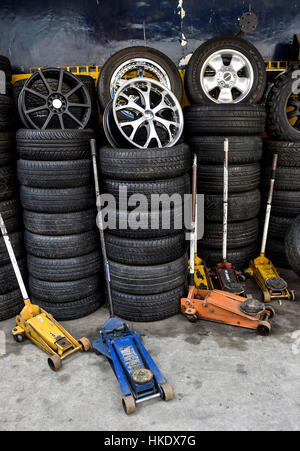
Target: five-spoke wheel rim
(227, 76)
(55, 107)
(293, 111)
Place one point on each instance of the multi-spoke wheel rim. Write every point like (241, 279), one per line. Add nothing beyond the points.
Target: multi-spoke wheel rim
(227, 76)
(138, 68)
(55, 108)
(145, 115)
(293, 111)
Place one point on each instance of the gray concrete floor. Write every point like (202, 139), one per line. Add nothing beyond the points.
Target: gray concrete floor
(224, 378)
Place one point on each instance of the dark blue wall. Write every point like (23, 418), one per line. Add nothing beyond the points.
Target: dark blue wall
(77, 32)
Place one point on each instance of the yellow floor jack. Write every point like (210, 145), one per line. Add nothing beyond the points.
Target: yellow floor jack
(39, 326)
(262, 269)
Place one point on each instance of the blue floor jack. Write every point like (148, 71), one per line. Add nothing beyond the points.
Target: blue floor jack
(138, 375)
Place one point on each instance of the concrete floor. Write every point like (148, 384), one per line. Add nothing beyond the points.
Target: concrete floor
(224, 378)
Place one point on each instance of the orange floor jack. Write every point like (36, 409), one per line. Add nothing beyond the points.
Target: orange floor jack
(221, 306)
(226, 277)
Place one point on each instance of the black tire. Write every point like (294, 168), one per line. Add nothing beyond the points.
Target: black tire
(59, 224)
(57, 200)
(72, 310)
(240, 257)
(6, 67)
(16, 239)
(287, 179)
(68, 246)
(279, 227)
(178, 185)
(11, 304)
(242, 178)
(54, 145)
(145, 164)
(153, 224)
(148, 308)
(193, 87)
(153, 251)
(8, 188)
(241, 207)
(286, 203)
(242, 149)
(225, 120)
(10, 211)
(7, 147)
(278, 125)
(62, 292)
(8, 280)
(55, 174)
(7, 120)
(275, 251)
(292, 246)
(64, 270)
(288, 153)
(119, 58)
(148, 280)
(240, 234)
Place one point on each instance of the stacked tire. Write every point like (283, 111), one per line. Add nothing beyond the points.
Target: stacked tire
(10, 297)
(148, 263)
(61, 237)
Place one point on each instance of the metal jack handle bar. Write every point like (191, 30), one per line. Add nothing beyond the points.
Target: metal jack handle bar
(13, 259)
(193, 236)
(269, 205)
(100, 227)
(225, 199)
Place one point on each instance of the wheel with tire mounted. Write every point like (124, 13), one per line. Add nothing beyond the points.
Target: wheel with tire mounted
(225, 69)
(153, 251)
(240, 258)
(292, 246)
(288, 153)
(136, 62)
(242, 178)
(146, 308)
(241, 206)
(145, 164)
(225, 120)
(283, 107)
(210, 149)
(54, 145)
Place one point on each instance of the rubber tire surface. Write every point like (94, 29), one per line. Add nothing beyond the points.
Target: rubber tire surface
(242, 178)
(7, 147)
(54, 145)
(148, 308)
(288, 153)
(242, 149)
(16, 239)
(11, 304)
(193, 88)
(148, 280)
(55, 174)
(153, 251)
(10, 211)
(68, 246)
(277, 125)
(240, 234)
(224, 120)
(8, 188)
(287, 179)
(286, 203)
(59, 224)
(241, 207)
(62, 292)
(292, 246)
(240, 257)
(279, 227)
(275, 251)
(7, 119)
(8, 280)
(145, 164)
(6, 67)
(64, 270)
(111, 65)
(57, 200)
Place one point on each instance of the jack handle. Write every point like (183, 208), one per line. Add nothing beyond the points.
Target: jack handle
(269, 205)
(193, 224)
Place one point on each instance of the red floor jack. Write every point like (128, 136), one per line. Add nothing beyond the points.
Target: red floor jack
(226, 277)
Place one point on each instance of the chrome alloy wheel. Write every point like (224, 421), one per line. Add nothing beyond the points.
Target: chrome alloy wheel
(227, 76)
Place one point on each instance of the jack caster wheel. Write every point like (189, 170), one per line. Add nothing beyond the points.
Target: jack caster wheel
(55, 363)
(129, 405)
(168, 392)
(85, 344)
(18, 338)
(192, 318)
(293, 295)
(271, 310)
(264, 328)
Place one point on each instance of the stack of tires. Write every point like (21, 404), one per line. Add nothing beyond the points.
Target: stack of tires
(10, 297)
(148, 262)
(61, 238)
(225, 80)
(284, 139)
